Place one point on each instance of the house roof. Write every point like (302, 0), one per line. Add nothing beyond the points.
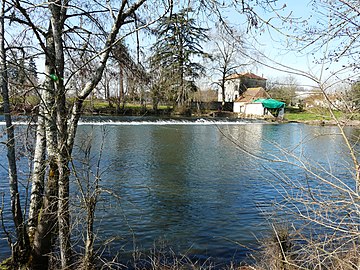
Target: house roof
(253, 93)
(244, 75)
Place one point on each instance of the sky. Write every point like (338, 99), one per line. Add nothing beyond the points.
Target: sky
(275, 46)
(280, 53)
(272, 44)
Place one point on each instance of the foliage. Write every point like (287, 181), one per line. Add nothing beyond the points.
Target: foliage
(32, 71)
(353, 96)
(283, 93)
(103, 106)
(174, 56)
(283, 89)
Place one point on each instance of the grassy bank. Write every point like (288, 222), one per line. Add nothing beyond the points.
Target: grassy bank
(315, 114)
(28, 104)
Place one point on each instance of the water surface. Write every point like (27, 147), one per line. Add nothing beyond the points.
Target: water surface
(200, 187)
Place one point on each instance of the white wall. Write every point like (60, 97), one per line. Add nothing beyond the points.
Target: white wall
(254, 109)
(239, 107)
(231, 91)
(249, 108)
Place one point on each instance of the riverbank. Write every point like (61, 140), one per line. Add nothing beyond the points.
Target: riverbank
(350, 123)
(321, 117)
(314, 116)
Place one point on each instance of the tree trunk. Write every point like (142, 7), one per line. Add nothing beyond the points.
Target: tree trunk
(223, 88)
(63, 211)
(37, 189)
(60, 135)
(47, 220)
(58, 14)
(90, 237)
(121, 89)
(20, 249)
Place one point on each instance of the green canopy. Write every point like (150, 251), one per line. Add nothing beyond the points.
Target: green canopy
(271, 103)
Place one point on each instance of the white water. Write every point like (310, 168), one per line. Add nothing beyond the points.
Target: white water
(162, 122)
(139, 122)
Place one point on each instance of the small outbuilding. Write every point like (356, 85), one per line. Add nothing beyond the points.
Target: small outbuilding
(241, 104)
(257, 102)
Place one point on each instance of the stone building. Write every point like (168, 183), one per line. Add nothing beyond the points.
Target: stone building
(236, 84)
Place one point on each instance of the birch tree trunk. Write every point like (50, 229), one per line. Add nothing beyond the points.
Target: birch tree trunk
(47, 221)
(20, 249)
(37, 188)
(58, 11)
(43, 237)
(60, 130)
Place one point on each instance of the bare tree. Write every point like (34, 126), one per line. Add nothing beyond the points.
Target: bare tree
(129, 69)
(284, 89)
(20, 249)
(227, 57)
(57, 133)
(88, 178)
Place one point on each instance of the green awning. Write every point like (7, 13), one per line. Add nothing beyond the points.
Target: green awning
(271, 103)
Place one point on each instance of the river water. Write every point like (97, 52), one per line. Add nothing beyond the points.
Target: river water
(204, 188)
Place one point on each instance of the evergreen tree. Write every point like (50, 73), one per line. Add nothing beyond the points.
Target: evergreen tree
(17, 76)
(32, 71)
(353, 95)
(177, 46)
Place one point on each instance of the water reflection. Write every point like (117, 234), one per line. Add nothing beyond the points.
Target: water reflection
(191, 185)
(194, 187)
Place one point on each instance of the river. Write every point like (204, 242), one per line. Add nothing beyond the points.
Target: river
(202, 187)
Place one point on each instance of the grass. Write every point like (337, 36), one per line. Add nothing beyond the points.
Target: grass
(305, 116)
(294, 114)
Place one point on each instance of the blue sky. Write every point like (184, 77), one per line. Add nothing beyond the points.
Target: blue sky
(273, 44)
(284, 52)
(276, 46)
